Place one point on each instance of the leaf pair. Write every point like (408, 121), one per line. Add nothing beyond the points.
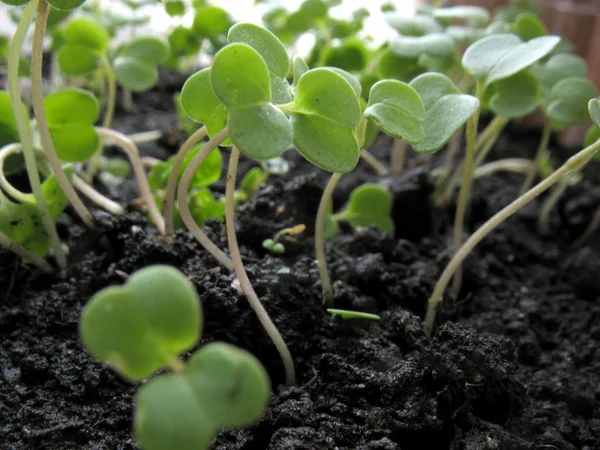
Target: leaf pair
(85, 43)
(136, 64)
(144, 326)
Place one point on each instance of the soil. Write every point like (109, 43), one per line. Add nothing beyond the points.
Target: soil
(514, 362)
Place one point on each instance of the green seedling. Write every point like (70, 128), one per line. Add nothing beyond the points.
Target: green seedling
(144, 326)
(573, 164)
(277, 247)
(212, 23)
(250, 184)
(136, 64)
(346, 314)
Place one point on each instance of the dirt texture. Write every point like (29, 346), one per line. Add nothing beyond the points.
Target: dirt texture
(514, 362)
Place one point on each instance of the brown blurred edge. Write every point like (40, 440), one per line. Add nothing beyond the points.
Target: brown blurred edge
(579, 22)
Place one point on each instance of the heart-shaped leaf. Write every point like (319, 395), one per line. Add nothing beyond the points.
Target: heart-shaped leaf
(370, 205)
(594, 109)
(434, 44)
(299, 68)
(502, 55)
(77, 60)
(529, 26)
(142, 326)
(135, 74)
(558, 67)
(212, 23)
(204, 206)
(475, 16)
(398, 67)
(324, 115)
(87, 33)
(443, 120)
(71, 116)
(396, 109)
(223, 387)
(201, 103)
(149, 49)
(569, 100)
(433, 86)
(516, 96)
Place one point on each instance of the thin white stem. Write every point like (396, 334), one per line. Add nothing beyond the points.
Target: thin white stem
(149, 162)
(543, 146)
(169, 200)
(576, 162)
(133, 153)
(398, 156)
(240, 271)
(21, 251)
(550, 203)
(374, 163)
(97, 197)
(40, 115)
(22, 197)
(182, 200)
(145, 136)
(518, 165)
(320, 239)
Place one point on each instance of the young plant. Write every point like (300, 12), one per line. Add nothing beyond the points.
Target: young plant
(144, 326)
(573, 164)
(277, 247)
(346, 314)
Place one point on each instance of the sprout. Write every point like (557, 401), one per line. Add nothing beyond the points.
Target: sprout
(143, 327)
(277, 247)
(345, 314)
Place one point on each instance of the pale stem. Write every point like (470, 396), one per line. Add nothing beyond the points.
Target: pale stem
(138, 169)
(25, 133)
(465, 188)
(182, 200)
(169, 200)
(538, 156)
(149, 162)
(127, 99)
(21, 251)
(373, 162)
(242, 276)
(320, 239)
(492, 130)
(97, 197)
(574, 163)
(453, 149)
(518, 165)
(22, 197)
(398, 155)
(550, 203)
(40, 115)
(145, 136)
(590, 230)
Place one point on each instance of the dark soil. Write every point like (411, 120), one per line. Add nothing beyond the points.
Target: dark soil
(514, 363)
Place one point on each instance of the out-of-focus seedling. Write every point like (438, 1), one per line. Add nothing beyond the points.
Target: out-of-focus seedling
(145, 326)
(277, 247)
(346, 314)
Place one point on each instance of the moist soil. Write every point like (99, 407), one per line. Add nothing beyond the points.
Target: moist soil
(514, 362)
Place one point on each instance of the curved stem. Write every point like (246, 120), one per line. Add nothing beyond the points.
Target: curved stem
(169, 200)
(25, 132)
(398, 155)
(373, 162)
(465, 188)
(550, 203)
(485, 147)
(40, 115)
(538, 156)
(320, 239)
(21, 197)
(591, 229)
(182, 201)
(138, 169)
(97, 197)
(576, 162)
(149, 162)
(145, 136)
(519, 165)
(21, 251)
(242, 276)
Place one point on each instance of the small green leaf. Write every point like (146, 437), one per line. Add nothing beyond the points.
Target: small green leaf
(204, 206)
(351, 55)
(592, 135)
(212, 22)
(251, 183)
(74, 142)
(260, 132)
(299, 68)
(142, 326)
(473, 15)
(516, 96)
(443, 120)
(370, 205)
(240, 77)
(433, 86)
(184, 42)
(354, 83)
(558, 67)
(175, 8)
(201, 103)
(53, 194)
(208, 173)
(135, 74)
(529, 26)
(346, 314)
(77, 60)
(397, 67)
(66, 4)
(499, 56)
(86, 33)
(418, 25)
(223, 387)
(568, 101)
(15, 2)
(396, 108)
(434, 44)
(594, 109)
(149, 49)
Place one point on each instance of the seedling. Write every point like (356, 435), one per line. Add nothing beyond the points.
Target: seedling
(346, 314)
(144, 326)
(277, 247)
(573, 164)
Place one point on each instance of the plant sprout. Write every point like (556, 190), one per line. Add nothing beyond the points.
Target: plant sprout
(145, 326)
(346, 314)
(277, 247)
